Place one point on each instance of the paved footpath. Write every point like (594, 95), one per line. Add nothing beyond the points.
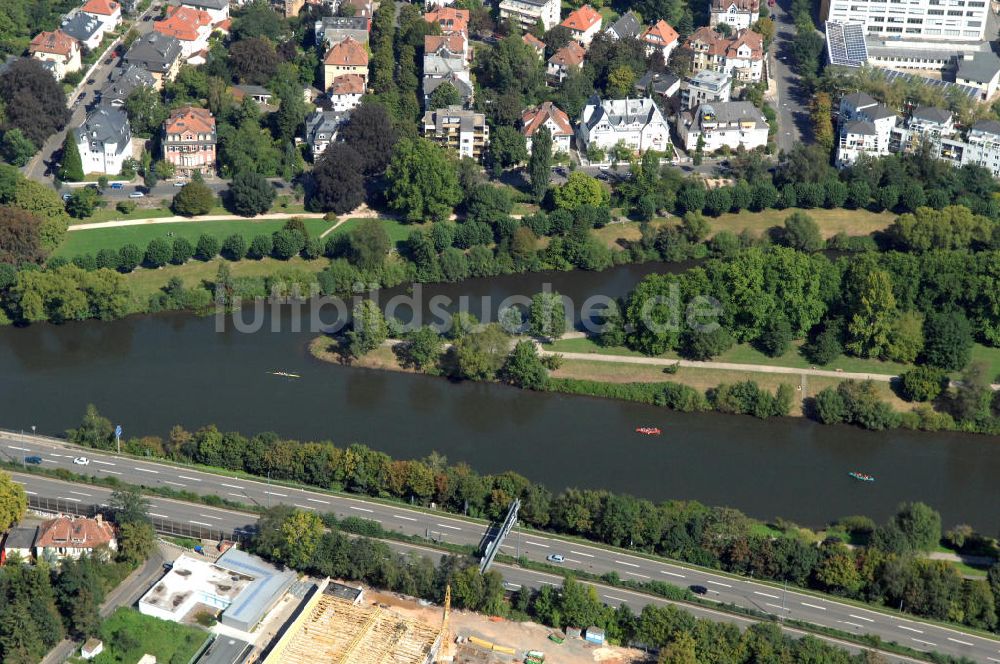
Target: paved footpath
(180, 220)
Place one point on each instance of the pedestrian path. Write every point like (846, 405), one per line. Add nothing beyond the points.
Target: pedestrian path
(209, 217)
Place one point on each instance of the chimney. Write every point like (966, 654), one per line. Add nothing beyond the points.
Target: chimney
(99, 518)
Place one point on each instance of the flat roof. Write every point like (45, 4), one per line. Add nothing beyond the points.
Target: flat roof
(225, 650)
(268, 584)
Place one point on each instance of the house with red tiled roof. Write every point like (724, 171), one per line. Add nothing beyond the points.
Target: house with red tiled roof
(450, 19)
(346, 92)
(108, 12)
(61, 51)
(547, 115)
(536, 44)
(345, 57)
(566, 59)
(72, 537)
(189, 140)
(191, 27)
(660, 37)
(217, 9)
(741, 55)
(583, 23)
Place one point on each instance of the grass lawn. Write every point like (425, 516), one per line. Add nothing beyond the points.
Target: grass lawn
(831, 222)
(128, 635)
(111, 214)
(398, 231)
(989, 356)
(86, 241)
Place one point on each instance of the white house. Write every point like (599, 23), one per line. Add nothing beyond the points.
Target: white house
(551, 116)
(953, 21)
(865, 128)
(84, 28)
(739, 14)
(526, 13)
(191, 27)
(58, 51)
(981, 71)
(345, 93)
(727, 124)
(638, 123)
(583, 23)
(72, 537)
(104, 141)
(565, 60)
(108, 12)
(705, 87)
(321, 130)
(626, 27)
(217, 9)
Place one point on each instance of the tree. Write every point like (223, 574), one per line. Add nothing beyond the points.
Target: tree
(507, 147)
(802, 232)
(822, 120)
(235, 247)
(524, 368)
(129, 257)
(94, 431)
(16, 148)
(287, 243)
(870, 328)
(581, 189)
(338, 185)
(20, 237)
(369, 244)
(620, 81)
(129, 505)
(260, 247)
(540, 164)
(158, 252)
(703, 345)
(422, 349)
(776, 337)
(370, 132)
(422, 181)
(907, 337)
(444, 95)
(182, 251)
(207, 248)
(922, 383)
(71, 166)
(368, 329)
(194, 198)
(489, 204)
(13, 502)
(145, 110)
(258, 19)
(82, 203)
(480, 354)
(253, 61)
(682, 648)
(920, 526)
(136, 541)
(251, 194)
(33, 101)
(548, 315)
(948, 339)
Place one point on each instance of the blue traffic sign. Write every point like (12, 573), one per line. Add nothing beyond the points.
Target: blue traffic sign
(118, 431)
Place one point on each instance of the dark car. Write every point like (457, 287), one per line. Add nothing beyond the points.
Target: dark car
(90, 82)
(698, 590)
(33, 459)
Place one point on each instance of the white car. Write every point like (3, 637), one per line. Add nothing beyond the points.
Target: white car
(136, 194)
(180, 184)
(555, 558)
(81, 461)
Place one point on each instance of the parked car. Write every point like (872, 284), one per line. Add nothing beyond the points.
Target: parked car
(90, 81)
(698, 590)
(180, 183)
(117, 185)
(81, 461)
(604, 167)
(136, 194)
(555, 558)
(33, 459)
(66, 197)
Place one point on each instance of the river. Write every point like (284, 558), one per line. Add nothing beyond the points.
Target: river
(151, 372)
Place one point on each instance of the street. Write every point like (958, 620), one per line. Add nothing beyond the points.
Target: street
(792, 107)
(767, 597)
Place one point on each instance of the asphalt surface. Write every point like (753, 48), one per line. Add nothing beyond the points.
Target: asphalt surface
(792, 104)
(787, 603)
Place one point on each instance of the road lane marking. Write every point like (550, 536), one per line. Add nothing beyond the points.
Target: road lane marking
(926, 643)
(993, 659)
(718, 583)
(641, 576)
(147, 470)
(443, 525)
(778, 606)
(31, 493)
(622, 562)
(81, 493)
(54, 454)
(185, 477)
(209, 516)
(174, 483)
(272, 493)
(757, 592)
(964, 643)
(813, 606)
(305, 507)
(850, 623)
(679, 576)
(75, 500)
(851, 615)
(910, 629)
(360, 509)
(112, 472)
(238, 495)
(571, 560)
(15, 447)
(317, 500)
(544, 546)
(231, 486)
(404, 518)
(159, 516)
(581, 553)
(617, 599)
(200, 523)
(103, 463)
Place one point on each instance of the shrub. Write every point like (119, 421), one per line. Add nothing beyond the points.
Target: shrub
(921, 383)
(158, 252)
(260, 247)
(682, 397)
(207, 248)
(235, 247)
(129, 257)
(126, 207)
(182, 251)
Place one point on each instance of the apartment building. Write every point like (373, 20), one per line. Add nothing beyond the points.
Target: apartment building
(638, 123)
(729, 124)
(942, 20)
(740, 55)
(705, 87)
(463, 131)
(527, 13)
(739, 14)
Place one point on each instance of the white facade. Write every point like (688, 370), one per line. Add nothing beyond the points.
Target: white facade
(980, 148)
(637, 123)
(108, 12)
(732, 124)
(104, 141)
(733, 13)
(865, 128)
(527, 13)
(947, 20)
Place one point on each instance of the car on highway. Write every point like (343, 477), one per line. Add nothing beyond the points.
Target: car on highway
(604, 167)
(81, 461)
(180, 184)
(136, 194)
(698, 590)
(555, 558)
(117, 185)
(33, 460)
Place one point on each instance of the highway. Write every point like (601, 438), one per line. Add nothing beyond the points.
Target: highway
(788, 603)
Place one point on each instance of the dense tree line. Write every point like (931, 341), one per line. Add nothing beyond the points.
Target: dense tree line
(884, 566)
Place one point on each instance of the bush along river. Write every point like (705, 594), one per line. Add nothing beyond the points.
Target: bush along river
(151, 372)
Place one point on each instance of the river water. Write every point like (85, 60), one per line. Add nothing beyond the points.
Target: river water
(151, 372)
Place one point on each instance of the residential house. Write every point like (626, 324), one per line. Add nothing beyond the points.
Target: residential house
(981, 147)
(218, 10)
(361, 9)
(157, 53)
(104, 141)
(346, 91)
(446, 60)
(347, 57)
(565, 60)
(637, 123)
(463, 131)
(330, 30)
(741, 55)
(737, 14)
(583, 23)
(627, 26)
(925, 129)
(124, 80)
(657, 84)
(865, 128)
(72, 537)
(536, 44)
(191, 27)
(457, 80)
(705, 87)
(548, 115)
(450, 19)
(108, 12)
(258, 93)
(288, 8)
(981, 71)
(85, 29)
(731, 124)
(59, 49)
(528, 13)
(322, 128)
(91, 648)
(19, 542)
(660, 37)
(189, 141)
